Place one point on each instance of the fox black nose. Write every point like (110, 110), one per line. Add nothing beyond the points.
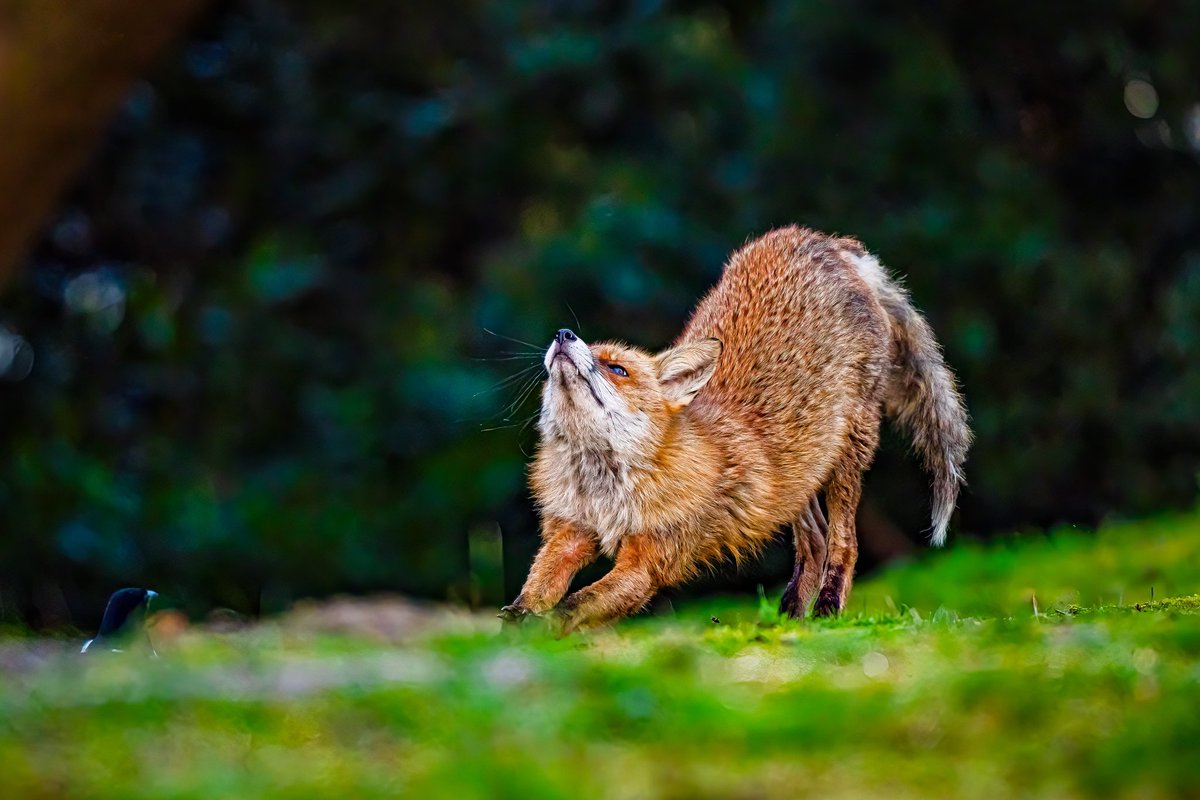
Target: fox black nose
(565, 335)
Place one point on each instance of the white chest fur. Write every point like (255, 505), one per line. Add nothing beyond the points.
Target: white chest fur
(594, 489)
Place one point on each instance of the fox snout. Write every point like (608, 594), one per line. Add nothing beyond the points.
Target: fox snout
(570, 348)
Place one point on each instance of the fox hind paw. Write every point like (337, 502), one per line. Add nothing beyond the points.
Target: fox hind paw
(789, 604)
(826, 606)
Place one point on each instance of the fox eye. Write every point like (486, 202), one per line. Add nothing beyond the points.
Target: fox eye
(617, 369)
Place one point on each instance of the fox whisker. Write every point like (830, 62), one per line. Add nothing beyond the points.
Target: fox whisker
(511, 339)
(578, 326)
(520, 375)
(523, 357)
(522, 396)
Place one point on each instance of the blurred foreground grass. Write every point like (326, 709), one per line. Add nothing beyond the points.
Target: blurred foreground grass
(940, 681)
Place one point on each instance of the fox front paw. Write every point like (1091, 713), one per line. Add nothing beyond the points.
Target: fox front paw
(513, 614)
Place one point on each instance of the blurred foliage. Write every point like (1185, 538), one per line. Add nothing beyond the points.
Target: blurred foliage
(256, 320)
(1090, 702)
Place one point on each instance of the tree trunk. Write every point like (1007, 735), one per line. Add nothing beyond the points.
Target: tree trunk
(65, 66)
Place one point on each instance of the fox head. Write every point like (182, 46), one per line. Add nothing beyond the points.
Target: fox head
(616, 398)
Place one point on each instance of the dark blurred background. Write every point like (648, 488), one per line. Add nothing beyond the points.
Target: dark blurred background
(246, 358)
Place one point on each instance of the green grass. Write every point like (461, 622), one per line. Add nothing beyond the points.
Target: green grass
(940, 682)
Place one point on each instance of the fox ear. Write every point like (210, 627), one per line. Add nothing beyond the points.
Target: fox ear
(683, 370)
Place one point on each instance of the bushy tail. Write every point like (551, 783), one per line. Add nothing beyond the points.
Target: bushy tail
(923, 399)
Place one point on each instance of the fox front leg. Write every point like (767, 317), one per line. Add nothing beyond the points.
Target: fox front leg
(626, 589)
(565, 550)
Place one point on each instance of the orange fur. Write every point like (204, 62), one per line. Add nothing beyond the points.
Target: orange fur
(772, 394)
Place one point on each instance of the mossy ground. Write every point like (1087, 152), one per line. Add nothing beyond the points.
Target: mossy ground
(940, 681)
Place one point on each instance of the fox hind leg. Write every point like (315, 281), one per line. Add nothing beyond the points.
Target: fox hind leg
(809, 531)
(841, 497)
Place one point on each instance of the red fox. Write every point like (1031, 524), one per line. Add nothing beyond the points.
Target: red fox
(773, 393)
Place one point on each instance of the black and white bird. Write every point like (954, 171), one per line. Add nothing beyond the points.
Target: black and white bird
(124, 617)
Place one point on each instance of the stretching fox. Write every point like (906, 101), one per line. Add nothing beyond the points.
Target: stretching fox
(773, 393)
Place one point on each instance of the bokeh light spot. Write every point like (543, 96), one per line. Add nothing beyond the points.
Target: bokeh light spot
(1141, 98)
(874, 664)
(16, 356)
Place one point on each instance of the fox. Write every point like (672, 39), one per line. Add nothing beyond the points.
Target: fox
(772, 397)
